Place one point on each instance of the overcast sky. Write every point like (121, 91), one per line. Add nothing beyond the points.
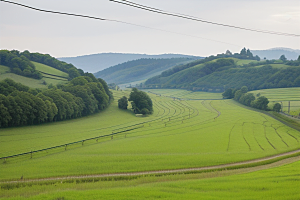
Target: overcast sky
(64, 36)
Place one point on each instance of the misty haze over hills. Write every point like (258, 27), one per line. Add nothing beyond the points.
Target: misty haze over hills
(97, 62)
(275, 53)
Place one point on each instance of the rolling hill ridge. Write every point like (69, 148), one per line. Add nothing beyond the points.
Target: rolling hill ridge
(139, 69)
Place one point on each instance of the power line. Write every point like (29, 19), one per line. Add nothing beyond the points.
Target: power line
(118, 21)
(155, 10)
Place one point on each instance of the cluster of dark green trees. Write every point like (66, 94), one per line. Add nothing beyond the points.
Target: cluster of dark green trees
(140, 101)
(21, 105)
(244, 54)
(248, 99)
(19, 63)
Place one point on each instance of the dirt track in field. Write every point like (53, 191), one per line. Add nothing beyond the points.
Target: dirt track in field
(178, 171)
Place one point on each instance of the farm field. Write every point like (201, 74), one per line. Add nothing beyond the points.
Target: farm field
(185, 94)
(30, 82)
(287, 97)
(179, 134)
(3, 69)
(50, 70)
(279, 182)
(276, 66)
(35, 83)
(243, 62)
(280, 94)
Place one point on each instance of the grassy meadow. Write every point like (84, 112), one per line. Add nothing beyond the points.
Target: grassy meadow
(179, 134)
(283, 96)
(280, 182)
(49, 70)
(185, 94)
(35, 83)
(30, 82)
(3, 69)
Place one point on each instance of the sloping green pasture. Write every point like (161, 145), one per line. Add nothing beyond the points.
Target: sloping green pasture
(30, 82)
(3, 69)
(179, 134)
(50, 76)
(50, 70)
(185, 94)
(279, 66)
(283, 96)
(280, 94)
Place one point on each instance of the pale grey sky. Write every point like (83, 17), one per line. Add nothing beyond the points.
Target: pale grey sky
(63, 36)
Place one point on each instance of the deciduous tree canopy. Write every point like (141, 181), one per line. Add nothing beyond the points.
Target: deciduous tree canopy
(20, 105)
(141, 102)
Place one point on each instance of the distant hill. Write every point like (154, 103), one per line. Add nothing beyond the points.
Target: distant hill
(97, 62)
(139, 69)
(217, 73)
(275, 53)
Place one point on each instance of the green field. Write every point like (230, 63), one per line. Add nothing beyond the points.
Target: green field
(278, 66)
(179, 134)
(280, 94)
(241, 62)
(35, 83)
(3, 69)
(30, 82)
(50, 70)
(280, 183)
(287, 97)
(185, 94)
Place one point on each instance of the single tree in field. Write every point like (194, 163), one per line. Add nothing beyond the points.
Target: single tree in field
(141, 102)
(283, 58)
(123, 103)
(277, 107)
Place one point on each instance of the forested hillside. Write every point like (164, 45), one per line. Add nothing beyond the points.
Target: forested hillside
(138, 69)
(217, 73)
(21, 105)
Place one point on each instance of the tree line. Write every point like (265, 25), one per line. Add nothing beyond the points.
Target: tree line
(248, 99)
(19, 63)
(21, 105)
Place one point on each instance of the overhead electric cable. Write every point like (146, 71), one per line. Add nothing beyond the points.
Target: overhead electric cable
(155, 10)
(103, 19)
